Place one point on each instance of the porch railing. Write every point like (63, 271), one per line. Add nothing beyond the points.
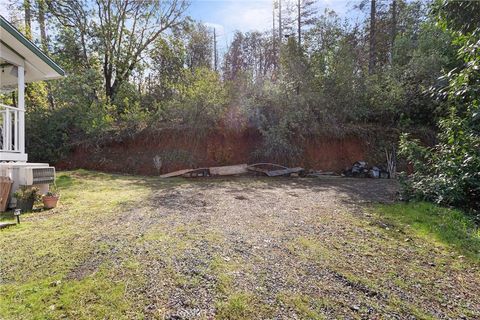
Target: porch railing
(9, 129)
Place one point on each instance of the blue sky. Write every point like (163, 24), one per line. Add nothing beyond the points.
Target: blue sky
(246, 15)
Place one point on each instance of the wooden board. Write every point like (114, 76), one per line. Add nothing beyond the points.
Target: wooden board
(273, 170)
(228, 170)
(214, 171)
(268, 169)
(264, 168)
(177, 173)
(5, 187)
(282, 172)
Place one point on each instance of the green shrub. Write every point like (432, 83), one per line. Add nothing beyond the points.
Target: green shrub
(449, 173)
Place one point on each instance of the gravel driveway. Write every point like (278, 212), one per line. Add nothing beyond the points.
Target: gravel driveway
(294, 249)
(127, 247)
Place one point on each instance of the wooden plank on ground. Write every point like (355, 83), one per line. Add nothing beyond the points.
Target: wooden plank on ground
(282, 172)
(264, 168)
(255, 169)
(228, 170)
(177, 173)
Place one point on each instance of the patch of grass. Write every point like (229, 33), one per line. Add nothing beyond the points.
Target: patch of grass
(305, 306)
(110, 251)
(407, 308)
(49, 246)
(308, 248)
(448, 227)
(7, 216)
(94, 297)
(156, 235)
(237, 306)
(223, 271)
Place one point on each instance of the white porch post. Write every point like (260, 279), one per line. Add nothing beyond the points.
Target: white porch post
(21, 107)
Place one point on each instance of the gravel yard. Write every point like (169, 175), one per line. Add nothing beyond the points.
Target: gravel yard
(240, 248)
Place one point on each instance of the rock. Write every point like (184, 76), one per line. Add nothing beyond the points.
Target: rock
(55, 283)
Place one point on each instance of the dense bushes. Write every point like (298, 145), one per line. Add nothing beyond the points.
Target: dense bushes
(449, 173)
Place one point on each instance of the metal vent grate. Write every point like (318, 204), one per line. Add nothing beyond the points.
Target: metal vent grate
(43, 175)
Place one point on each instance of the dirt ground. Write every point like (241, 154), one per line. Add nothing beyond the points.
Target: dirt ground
(287, 248)
(295, 249)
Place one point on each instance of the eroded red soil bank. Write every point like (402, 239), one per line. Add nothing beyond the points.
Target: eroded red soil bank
(181, 149)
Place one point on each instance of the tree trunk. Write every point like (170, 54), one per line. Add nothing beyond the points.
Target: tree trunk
(215, 49)
(108, 79)
(280, 35)
(299, 24)
(44, 42)
(28, 18)
(41, 23)
(372, 53)
(274, 41)
(393, 34)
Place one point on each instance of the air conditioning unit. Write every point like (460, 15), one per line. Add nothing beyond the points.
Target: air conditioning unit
(29, 176)
(40, 175)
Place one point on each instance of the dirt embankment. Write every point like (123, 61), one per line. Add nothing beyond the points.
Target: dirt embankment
(176, 149)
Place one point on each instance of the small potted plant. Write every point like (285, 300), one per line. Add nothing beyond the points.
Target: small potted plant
(50, 199)
(26, 197)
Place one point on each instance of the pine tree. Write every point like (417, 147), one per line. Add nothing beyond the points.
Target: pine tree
(306, 16)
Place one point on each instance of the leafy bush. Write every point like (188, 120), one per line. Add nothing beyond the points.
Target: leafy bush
(200, 101)
(278, 146)
(449, 173)
(27, 193)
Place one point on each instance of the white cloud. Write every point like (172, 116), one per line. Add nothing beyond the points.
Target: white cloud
(249, 15)
(219, 29)
(246, 15)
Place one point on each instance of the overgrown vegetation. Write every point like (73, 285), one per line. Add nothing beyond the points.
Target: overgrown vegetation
(449, 172)
(319, 79)
(403, 66)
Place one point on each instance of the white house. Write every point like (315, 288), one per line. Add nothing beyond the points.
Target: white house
(21, 62)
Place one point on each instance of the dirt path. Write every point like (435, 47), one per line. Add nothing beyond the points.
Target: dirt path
(125, 247)
(293, 249)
